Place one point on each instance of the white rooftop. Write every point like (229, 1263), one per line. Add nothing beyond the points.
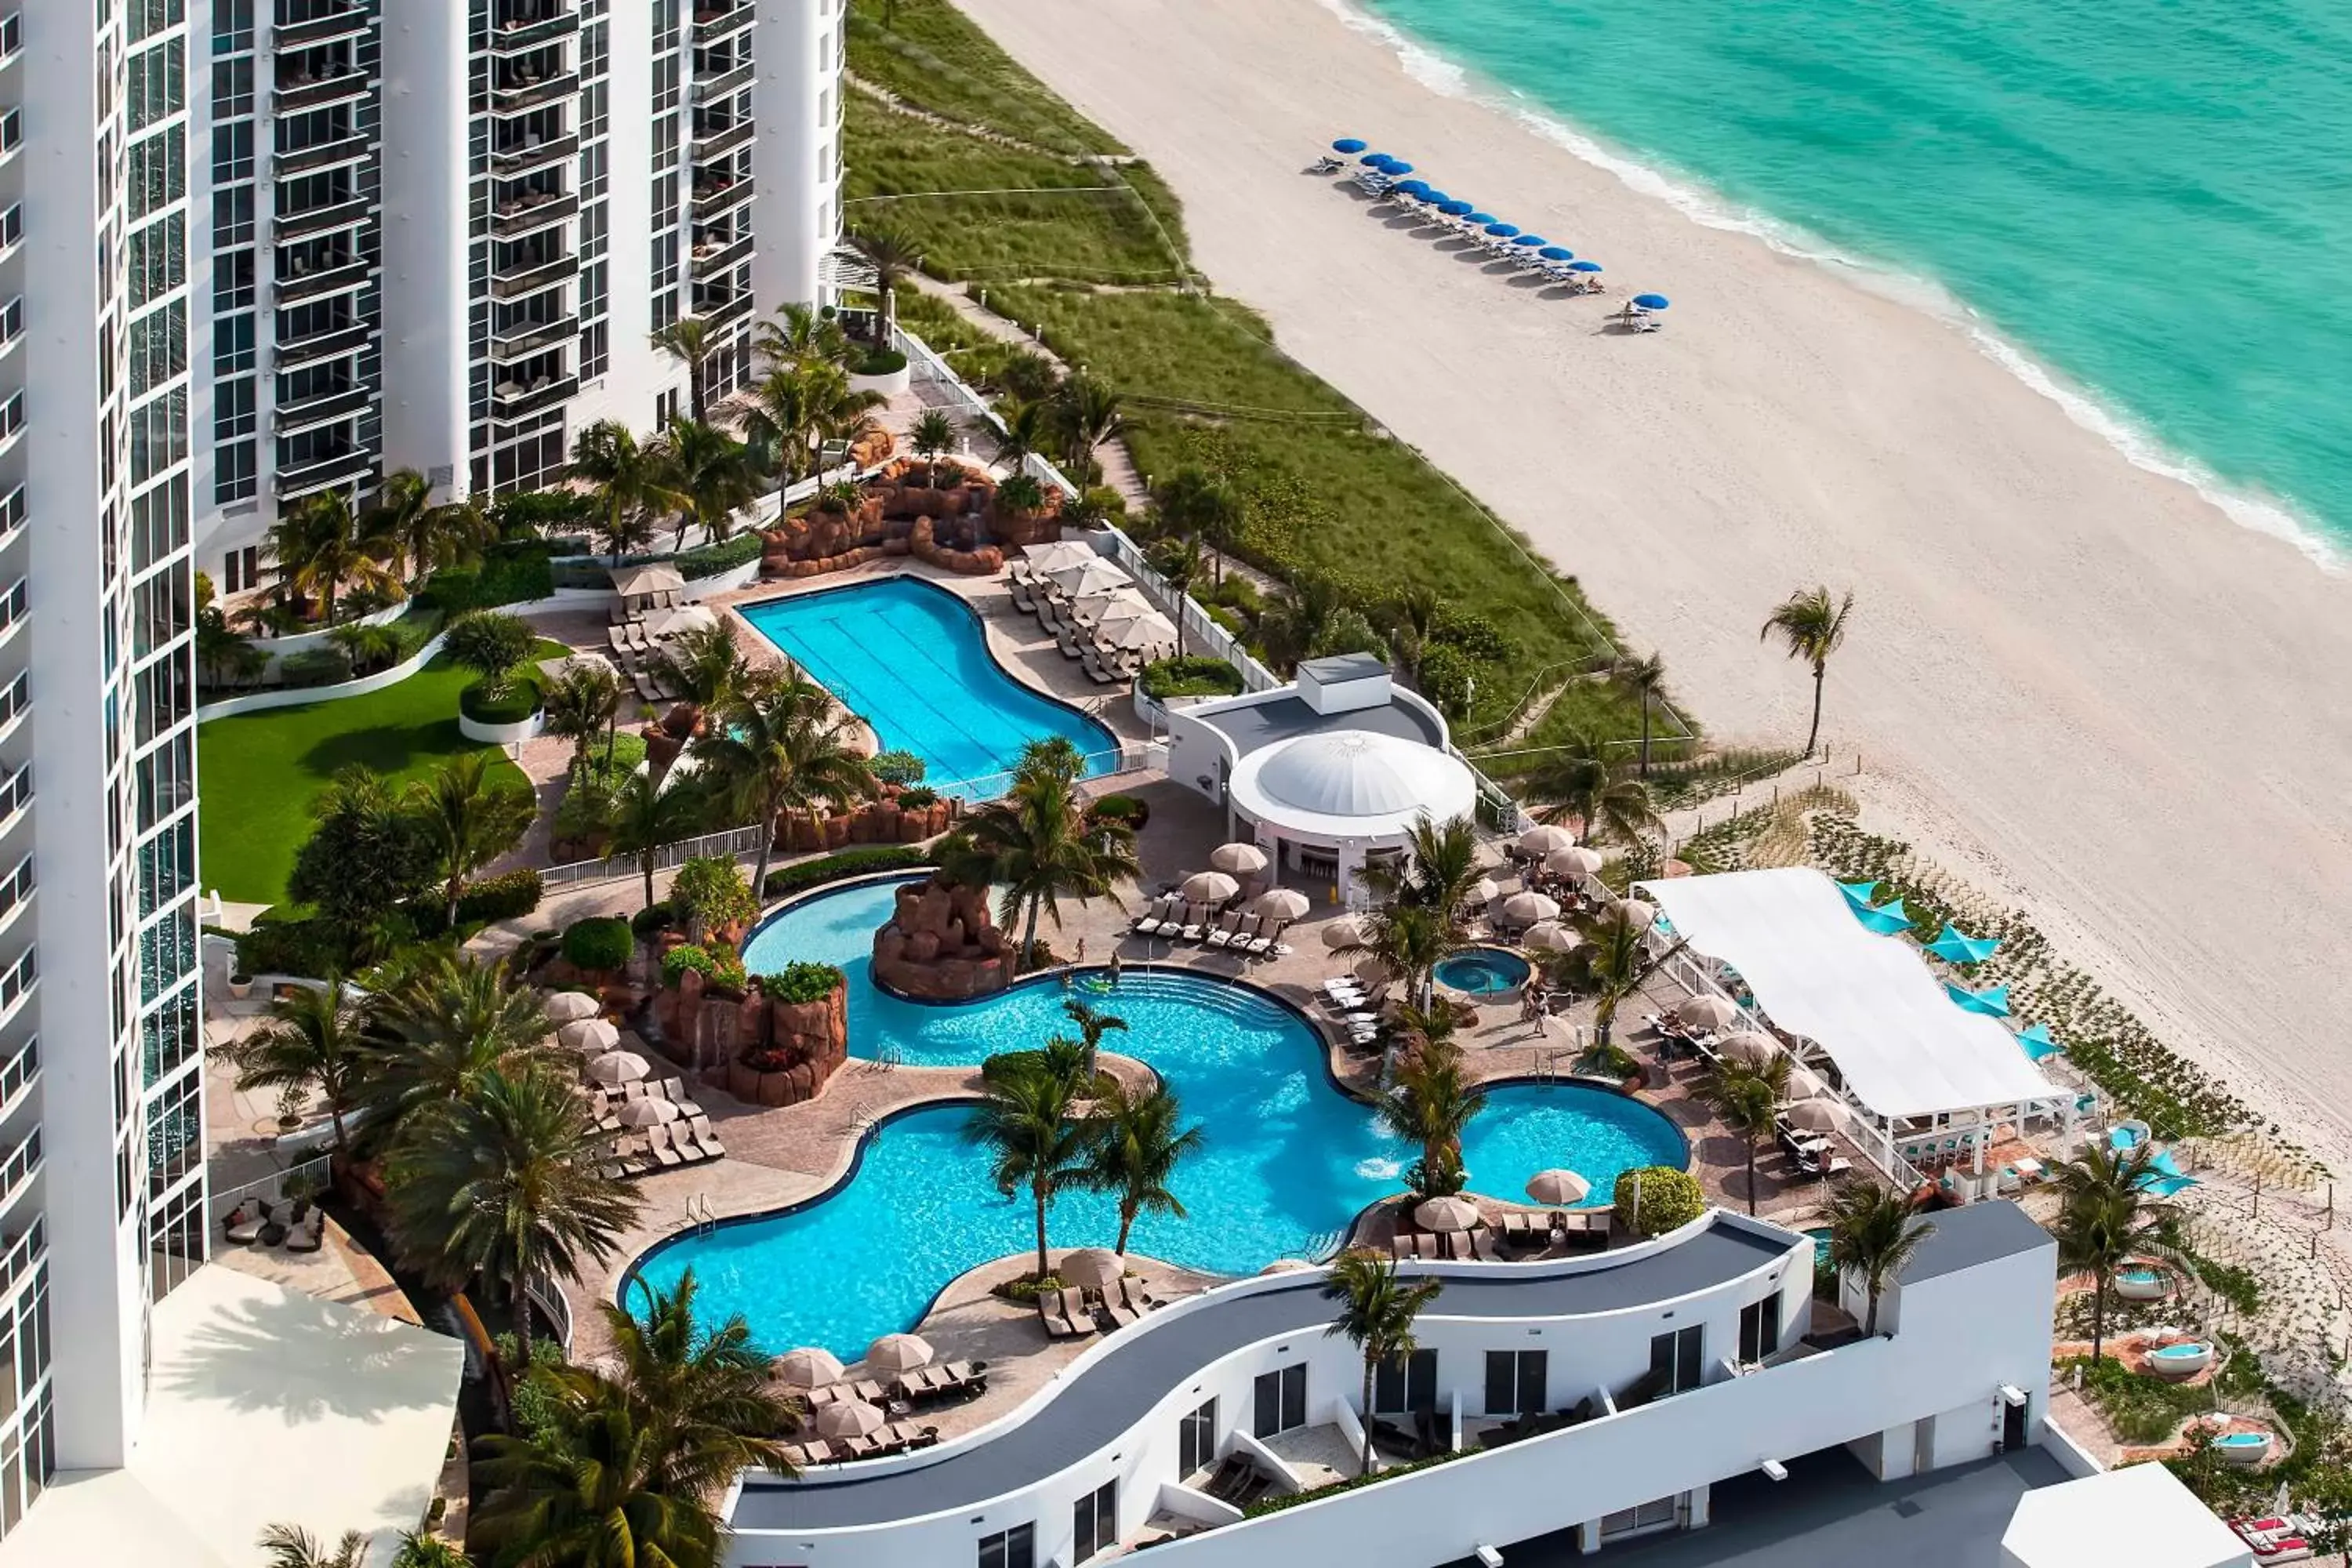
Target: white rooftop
(1870, 1000)
(1351, 783)
(2140, 1516)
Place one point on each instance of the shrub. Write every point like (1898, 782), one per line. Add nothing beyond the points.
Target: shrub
(1347, 631)
(1132, 810)
(1475, 635)
(513, 573)
(315, 667)
(1446, 678)
(801, 983)
(651, 919)
(599, 942)
(528, 512)
(1021, 493)
(280, 944)
(918, 797)
(709, 560)
(1669, 1199)
(1195, 674)
(1236, 625)
(709, 893)
(501, 898)
(678, 960)
(878, 360)
(896, 768)
(788, 879)
(490, 644)
(509, 702)
(1237, 593)
(538, 1405)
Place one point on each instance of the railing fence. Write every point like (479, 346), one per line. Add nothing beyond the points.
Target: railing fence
(312, 1172)
(735, 841)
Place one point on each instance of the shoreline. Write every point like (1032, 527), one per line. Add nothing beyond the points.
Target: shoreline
(1692, 197)
(2077, 682)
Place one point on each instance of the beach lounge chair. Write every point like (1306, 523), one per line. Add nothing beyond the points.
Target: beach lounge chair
(706, 1135)
(1516, 1231)
(1224, 933)
(1481, 1246)
(1152, 919)
(1119, 1314)
(1057, 1322)
(1074, 1307)
(243, 1223)
(1066, 639)
(1196, 921)
(1233, 1473)
(1133, 1296)
(674, 1090)
(657, 1141)
(1025, 597)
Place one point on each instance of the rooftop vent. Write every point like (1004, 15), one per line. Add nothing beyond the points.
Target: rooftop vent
(1344, 683)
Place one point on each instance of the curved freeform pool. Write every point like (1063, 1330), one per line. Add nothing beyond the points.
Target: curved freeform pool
(1289, 1160)
(911, 659)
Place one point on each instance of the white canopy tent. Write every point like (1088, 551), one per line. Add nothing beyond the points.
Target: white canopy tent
(2140, 1514)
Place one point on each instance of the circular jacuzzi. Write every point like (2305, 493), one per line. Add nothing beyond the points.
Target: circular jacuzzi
(1484, 974)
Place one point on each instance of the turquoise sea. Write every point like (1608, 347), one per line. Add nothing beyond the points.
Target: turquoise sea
(2151, 198)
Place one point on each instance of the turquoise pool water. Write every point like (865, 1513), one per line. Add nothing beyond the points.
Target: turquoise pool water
(1289, 1160)
(909, 660)
(1483, 972)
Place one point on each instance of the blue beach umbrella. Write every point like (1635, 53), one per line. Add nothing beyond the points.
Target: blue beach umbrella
(1414, 188)
(1556, 253)
(1651, 301)
(1502, 230)
(1482, 219)
(1347, 144)
(1584, 267)
(1859, 894)
(1885, 919)
(1397, 166)
(1453, 209)
(1531, 240)
(1376, 159)
(1991, 1003)
(2035, 1042)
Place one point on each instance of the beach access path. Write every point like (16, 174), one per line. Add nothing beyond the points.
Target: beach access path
(2081, 680)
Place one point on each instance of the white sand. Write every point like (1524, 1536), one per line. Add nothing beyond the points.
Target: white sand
(2073, 678)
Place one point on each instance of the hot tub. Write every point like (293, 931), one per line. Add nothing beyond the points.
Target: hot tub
(2144, 1282)
(2243, 1447)
(1484, 974)
(2180, 1361)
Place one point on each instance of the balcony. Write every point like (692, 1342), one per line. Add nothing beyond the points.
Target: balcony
(21, 1264)
(715, 258)
(17, 1173)
(322, 155)
(529, 218)
(12, 325)
(324, 219)
(16, 797)
(16, 1078)
(15, 702)
(528, 277)
(711, 203)
(333, 342)
(16, 891)
(510, 400)
(12, 136)
(12, 37)
(350, 466)
(327, 24)
(716, 143)
(518, 36)
(343, 84)
(714, 23)
(524, 97)
(12, 229)
(339, 278)
(12, 513)
(729, 310)
(537, 154)
(12, 423)
(711, 89)
(14, 605)
(321, 409)
(529, 338)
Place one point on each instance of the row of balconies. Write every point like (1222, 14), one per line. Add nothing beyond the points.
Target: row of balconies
(522, 26)
(305, 23)
(342, 463)
(534, 385)
(318, 77)
(24, 1256)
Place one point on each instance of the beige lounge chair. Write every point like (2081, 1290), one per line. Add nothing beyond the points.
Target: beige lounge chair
(1074, 1307)
(657, 1140)
(706, 1135)
(1057, 1322)
(1226, 929)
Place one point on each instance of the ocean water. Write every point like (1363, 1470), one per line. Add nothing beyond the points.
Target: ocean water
(2144, 206)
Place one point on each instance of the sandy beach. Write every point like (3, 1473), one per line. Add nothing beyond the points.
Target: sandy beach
(2071, 679)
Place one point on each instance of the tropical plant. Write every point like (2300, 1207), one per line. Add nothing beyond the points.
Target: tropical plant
(291, 1546)
(1433, 1100)
(708, 893)
(423, 536)
(932, 434)
(1811, 627)
(1613, 962)
(582, 702)
(1026, 376)
(423, 1549)
(227, 656)
(310, 1044)
(368, 647)
(366, 857)
(1874, 1231)
(1580, 781)
(711, 476)
(784, 746)
(1023, 1122)
(473, 817)
(630, 480)
(1093, 1024)
(1654, 1199)
(1136, 1143)
(1294, 623)
(894, 254)
(1748, 1101)
(706, 1388)
(440, 1026)
(1377, 1312)
(800, 334)
(507, 1184)
(707, 665)
(1028, 430)
(650, 810)
(490, 643)
(1087, 414)
(1437, 871)
(320, 544)
(1198, 506)
(1409, 941)
(1645, 677)
(2107, 1214)
(690, 342)
(1038, 845)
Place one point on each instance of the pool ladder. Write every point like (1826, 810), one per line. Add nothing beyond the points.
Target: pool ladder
(700, 1217)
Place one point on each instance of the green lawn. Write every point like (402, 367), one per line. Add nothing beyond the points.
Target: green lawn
(259, 772)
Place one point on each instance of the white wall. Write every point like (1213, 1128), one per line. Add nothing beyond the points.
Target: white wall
(638, 374)
(425, 242)
(796, 206)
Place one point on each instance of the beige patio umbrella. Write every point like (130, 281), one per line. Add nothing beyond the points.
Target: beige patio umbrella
(1528, 909)
(849, 1418)
(811, 1366)
(1281, 903)
(684, 618)
(647, 1113)
(618, 1068)
(636, 582)
(1209, 887)
(1372, 971)
(1545, 839)
(592, 1036)
(1345, 932)
(1058, 556)
(1559, 1187)
(1573, 861)
(1241, 860)
(1804, 1083)
(1286, 1265)
(1122, 600)
(572, 1006)
(1549, 936)
(1705, 1012)
(898, 1352)
(1748, 1048)
(1082, 578)
(1483, 891)
(1816, 1115)
(1633, 912)
(1091, 1267)
(1446, 1214)
(1135, 633)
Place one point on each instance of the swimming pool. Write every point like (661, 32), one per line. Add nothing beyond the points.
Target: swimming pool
(909, 658)
(1288, 1161)
(1485, 972)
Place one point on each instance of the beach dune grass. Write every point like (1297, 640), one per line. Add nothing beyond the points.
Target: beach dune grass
(259, 772)
(930, 54)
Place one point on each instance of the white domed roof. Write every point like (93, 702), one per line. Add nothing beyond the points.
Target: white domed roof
(1352, 782)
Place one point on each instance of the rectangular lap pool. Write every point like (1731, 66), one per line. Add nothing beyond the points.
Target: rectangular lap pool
(911, 659)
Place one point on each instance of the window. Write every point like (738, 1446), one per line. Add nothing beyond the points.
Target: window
(233, 344)
(232, 27)
(233, 152)
(1760, 1328)
(148, 18)
(1643, 1519)
(159, 171)
(158, 83)
(1516, 1382)
(233, 217)
(241, 569)
(159, 259)
(159, 522)
(1406, 1385)
(1196, 1439)
(1281, 1400)
(232, 88)
(1013, 1548)
(159, 347)
(233, 473)
(233, 404)
(167, 867)
(233, 281)
(1675, 1359)
(1095, 1522)
(159, 434)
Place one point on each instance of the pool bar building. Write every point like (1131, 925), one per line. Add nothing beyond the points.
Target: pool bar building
(1602, 1396)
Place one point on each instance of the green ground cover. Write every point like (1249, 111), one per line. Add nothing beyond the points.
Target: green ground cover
(928, 53)
(259, 772)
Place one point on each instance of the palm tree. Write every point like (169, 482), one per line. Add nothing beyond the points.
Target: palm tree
(1581, 782)
(291, 1546)
(1614, 961)
(1409, 941)
(440, 1028)
(1137, 1146)
(706, 1388)
(711, 474)
(2107, 1216)
(1873, 1234)
(1439, 867)
(1433, 1104)
(932, 434)
(1093, 1024)
(581, 704)
(1028, 430)
(631, 481)
(783, 747)
(1811, 626)
(1023, 1122)
(507, 1184)
(474, 817)
(600, 1490)
(1038, 844)
(707, 665)
(425, 536)
(1200, 508)
(227, 656)
(320, 544)
(648, 813)
(1377, 1311)
(689, 340)
(311, 1044)
(1089, 415)
(894, 255)
(1644, 678)
(1747, 1100)
(800, 334)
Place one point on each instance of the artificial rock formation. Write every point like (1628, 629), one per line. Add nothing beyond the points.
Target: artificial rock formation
(941, 945)
(773, 1053)
(883, 821)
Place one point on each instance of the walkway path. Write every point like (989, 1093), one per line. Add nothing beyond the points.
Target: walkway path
(897, 105)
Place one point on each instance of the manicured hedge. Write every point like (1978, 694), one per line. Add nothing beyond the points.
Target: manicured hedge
(315, 667)
(1132, 810)
(710, 559)
(599, 942)
(880, 361)
(520, 702)
(1670, 1199)
(801, 983)
(788, 879)
(505, 897)
(515, 573)
(1195, 674)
